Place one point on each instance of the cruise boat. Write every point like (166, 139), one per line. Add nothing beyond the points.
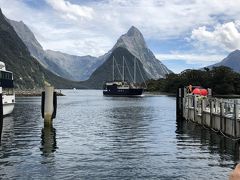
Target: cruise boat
(122, 87)
(7, 89)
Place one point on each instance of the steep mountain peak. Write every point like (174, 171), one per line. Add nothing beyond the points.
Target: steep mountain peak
(133, 40)
(232, 61)
(232, 57)
(133, 31)
(234, 53)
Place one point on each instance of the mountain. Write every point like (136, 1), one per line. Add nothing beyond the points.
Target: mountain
(27, 71)
(130, 46)
(67, 66)
(79, 68)
(105, 71)
(95, 69)
(134, 42)
(232, 61)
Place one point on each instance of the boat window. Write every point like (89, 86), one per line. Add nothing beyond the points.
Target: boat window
(6, 75)
(7, 91)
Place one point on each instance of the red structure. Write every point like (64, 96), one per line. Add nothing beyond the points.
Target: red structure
(199, 91)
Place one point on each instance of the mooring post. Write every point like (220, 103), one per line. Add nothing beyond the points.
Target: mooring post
(217, 108)
(1, 114)
(195, 107)
(236, 116)
(221, 113)
(211, 111)
(209, 92)
(189, 102)
(202, 110)
(179, 103)
(49, 105)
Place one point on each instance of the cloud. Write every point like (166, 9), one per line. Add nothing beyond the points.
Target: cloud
(71, 11)
(178, 62)
(191, 58)
(224, 36)
(92, 27)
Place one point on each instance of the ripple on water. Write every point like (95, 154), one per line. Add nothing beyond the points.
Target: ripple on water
(96, 137)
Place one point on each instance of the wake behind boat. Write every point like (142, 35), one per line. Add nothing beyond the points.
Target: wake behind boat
(122, 87)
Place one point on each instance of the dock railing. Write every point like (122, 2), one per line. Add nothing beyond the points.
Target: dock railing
(221, 115)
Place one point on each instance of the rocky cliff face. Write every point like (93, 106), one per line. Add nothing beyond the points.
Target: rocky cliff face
(27, 71)
(67, 66)
(232, 61)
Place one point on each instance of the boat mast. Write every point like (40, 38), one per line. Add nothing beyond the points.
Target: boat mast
(123, 70)
(113, 69)
(134, 75)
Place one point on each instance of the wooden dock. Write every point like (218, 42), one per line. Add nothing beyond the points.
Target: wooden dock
(217, 114)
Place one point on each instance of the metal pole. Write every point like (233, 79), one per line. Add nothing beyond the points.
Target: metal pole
(113, 69)
(123, 70)
(134, 70)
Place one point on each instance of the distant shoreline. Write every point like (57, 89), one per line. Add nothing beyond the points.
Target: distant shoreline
(29, 93)
(159, 93)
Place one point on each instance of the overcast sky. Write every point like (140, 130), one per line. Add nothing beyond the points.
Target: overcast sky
(181, 33)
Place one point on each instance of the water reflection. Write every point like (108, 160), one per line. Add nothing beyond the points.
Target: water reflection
(48, 142)
(189, 134)
(128, 129)
(111, 138)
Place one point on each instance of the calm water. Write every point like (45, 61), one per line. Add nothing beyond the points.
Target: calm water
(96, 137)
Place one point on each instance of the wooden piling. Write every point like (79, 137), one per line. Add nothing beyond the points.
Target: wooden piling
(236, 116)
(1, 116)
(49, 104)
(202, 110)
(179, 100)
(221, 114)
(211, 112)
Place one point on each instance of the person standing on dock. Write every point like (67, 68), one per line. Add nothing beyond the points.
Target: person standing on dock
(190, 88)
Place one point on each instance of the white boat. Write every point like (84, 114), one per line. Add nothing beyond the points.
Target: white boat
(7, 89)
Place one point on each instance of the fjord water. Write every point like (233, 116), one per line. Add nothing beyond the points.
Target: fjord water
(96, 137)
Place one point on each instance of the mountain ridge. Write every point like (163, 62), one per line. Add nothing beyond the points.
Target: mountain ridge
(232, 60)
(78, 68)
(28, 72)
(81, 67)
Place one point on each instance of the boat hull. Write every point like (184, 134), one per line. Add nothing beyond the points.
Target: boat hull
(8, 104)
(8, 108)
(123, 92)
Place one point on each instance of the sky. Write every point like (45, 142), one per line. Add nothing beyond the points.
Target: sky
(183, 34)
